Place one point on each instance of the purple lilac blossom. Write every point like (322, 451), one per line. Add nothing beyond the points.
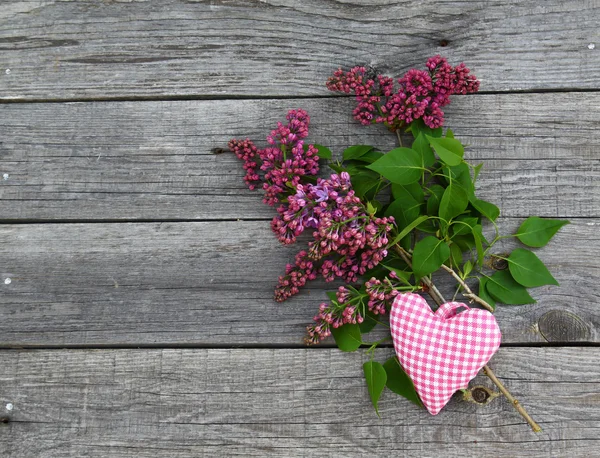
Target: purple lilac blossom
(421, 94)
(347, 241)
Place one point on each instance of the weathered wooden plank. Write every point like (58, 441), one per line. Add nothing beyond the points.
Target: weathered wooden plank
(79, 49)
(153, 160)
(210, 402)
(212, 283)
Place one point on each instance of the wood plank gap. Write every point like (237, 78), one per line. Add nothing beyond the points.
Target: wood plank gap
(176, 98)
(171, 98)
(185, 220)
(258, 346)
(129, 220)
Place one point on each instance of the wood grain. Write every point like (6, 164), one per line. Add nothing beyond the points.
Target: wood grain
(224, 402)
(153, 160)
(212, 284)
(81, 49)
(120, 228)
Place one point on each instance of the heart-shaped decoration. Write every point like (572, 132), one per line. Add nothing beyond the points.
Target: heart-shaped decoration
(443, 351)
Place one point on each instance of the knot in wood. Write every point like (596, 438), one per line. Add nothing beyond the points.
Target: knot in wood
(498, 263)
(563, 326)
(4, 419)
(480, 394)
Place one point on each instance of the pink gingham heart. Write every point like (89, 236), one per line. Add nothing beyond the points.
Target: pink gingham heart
(441, 352)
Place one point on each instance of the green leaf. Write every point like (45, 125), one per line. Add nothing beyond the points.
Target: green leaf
(404, 232)
(421, 146)
(449, 150)
(365, 183)
(414, 189)
(503, 288)
(336, 167)
(454, 201)
(323, 152)
(487, 209)
(483, 293)
(449, 133)
(456, 255)
(537, 232)
(376, 377)
(356, 151)
(400, 166)
(369, 157)
(476, 171)
(465, 242)
(527, 269)
(478, 238)
(378, 205)
(428, 226)
(467, 267)
(462, 175)
(347, 337)
(369, 322)
(418, 126)
(399, 382)
(463, 225)
(433, 203)
(332, 296)
(371, 209)
(428, 256)
(405, 209)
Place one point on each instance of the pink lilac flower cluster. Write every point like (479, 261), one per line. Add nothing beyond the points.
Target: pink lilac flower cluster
(334, 314)
(349, 306)
(347, 240)
(381, 295)
(284, 163)
(421, 93)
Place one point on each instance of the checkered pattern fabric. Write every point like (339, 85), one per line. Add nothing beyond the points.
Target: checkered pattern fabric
(442, 351)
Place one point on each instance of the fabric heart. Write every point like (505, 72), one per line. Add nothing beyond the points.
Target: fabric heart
(443, 351)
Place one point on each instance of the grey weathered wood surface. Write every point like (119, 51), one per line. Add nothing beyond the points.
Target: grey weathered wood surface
(153, 160)
(120, 228)
(82, 49)
(212, 283)
(264, 402)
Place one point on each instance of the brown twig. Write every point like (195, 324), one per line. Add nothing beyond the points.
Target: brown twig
(399, 137)
(433, 291)
(516, 404)
(468, 293)
(439, 300)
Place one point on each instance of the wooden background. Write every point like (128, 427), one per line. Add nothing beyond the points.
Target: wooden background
(138, 319)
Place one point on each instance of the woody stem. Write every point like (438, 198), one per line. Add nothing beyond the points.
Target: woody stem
(468, 293)
(399, 137)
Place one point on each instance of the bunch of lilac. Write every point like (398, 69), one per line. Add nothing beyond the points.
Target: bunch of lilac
(284, 163)
(381, 294)
(421, 93)
(335, 314)
(349, 306)
(347, 240)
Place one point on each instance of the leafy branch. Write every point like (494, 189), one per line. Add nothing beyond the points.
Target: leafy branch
(386, 221)
(440, 226)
